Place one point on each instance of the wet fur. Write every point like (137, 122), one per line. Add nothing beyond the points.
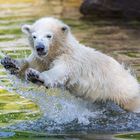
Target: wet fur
(85, 72)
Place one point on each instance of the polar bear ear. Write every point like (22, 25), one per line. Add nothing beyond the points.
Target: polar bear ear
(26, 29)
(65, 29)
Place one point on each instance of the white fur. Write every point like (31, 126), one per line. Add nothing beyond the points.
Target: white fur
(87, 73)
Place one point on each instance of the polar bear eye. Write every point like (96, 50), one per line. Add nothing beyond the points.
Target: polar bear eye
(34, 37)
(49, 36)
(64, 28)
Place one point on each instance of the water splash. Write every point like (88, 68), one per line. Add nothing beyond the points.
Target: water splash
(57, 105)
(64, 113)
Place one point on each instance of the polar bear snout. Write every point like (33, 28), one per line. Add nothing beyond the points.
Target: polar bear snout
(40, 48)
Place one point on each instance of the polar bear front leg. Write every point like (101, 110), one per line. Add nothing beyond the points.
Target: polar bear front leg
(55, 77)
(34, 76)
(15, 67)
(11, 65)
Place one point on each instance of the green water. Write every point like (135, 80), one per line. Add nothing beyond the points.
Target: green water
(118, 38)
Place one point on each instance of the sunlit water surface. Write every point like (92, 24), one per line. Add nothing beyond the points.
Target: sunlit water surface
(56, 111)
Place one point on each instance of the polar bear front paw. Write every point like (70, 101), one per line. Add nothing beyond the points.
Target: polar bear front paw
(33, 76)
(10, 64)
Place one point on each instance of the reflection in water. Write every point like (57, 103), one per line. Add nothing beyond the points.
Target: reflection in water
(118, 38)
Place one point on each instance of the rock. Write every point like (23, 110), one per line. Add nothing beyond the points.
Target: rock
(111, 8)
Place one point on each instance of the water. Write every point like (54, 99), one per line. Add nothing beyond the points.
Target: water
(25, 107)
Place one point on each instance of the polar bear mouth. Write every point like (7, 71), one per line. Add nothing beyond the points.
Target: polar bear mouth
(42, 53)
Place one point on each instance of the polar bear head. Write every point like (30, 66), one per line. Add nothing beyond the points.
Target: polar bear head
(46, 35)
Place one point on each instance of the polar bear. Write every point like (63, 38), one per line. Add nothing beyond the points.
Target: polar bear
(58, 59)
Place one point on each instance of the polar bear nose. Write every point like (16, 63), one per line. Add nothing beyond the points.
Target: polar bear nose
(40, 48)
